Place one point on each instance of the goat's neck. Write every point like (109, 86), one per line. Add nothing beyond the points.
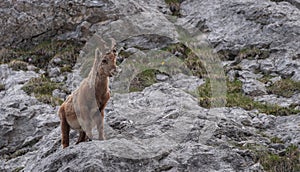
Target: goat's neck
(101, 84)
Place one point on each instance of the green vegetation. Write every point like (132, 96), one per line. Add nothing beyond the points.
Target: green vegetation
(42, 89)
(42, 54)
(2, 87)
(57, 53)
(173, 1)
(254, 53)
(236, 98)
(66, 68)
(18, 169)
(191, 62)
(17, 153)
(143, 80)
(287, 161)
(276, 140)
(285, 88)
(190, 59)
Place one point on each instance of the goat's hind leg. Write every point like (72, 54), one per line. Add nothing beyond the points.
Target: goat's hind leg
(65, 131)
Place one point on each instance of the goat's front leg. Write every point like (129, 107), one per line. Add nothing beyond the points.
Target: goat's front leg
(100, 124)
(82, 137)
(86, 122)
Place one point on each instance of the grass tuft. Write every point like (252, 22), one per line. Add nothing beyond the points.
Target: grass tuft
(143, 80)
(285, 88)
(190, 59)
(288, 161)
(236, 98)
(42, 89)
(42, 54)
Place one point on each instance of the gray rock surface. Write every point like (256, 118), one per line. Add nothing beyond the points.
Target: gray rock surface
(161, 128)
(235, 25)
(281, 101)
(27, 22)
(24, 121)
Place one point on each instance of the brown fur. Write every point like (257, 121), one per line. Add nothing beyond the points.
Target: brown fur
(84, 108)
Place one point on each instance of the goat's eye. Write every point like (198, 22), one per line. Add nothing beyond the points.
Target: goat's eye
(104, 61)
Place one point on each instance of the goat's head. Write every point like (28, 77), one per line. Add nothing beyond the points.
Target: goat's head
(107, 63)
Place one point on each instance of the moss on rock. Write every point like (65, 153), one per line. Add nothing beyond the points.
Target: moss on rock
(143, 80)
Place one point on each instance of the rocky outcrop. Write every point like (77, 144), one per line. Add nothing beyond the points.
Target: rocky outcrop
(28, 22)
(235, 26)
(24, 120)
(161, 128)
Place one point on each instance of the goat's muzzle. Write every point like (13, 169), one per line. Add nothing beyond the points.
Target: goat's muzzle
(114, 72)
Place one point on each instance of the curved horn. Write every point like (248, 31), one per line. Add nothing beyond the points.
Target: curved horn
(113, 43)
(98, 53)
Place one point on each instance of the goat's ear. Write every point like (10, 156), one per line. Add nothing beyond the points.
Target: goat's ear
(98, 54)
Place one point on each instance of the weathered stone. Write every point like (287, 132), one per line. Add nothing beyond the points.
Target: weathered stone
(281, 101)
(23, 119)
(161, 128)
(162, 77)
(238, 25)
(254, 87)
(28, 22)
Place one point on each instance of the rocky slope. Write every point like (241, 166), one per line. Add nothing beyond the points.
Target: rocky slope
(255, 43)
